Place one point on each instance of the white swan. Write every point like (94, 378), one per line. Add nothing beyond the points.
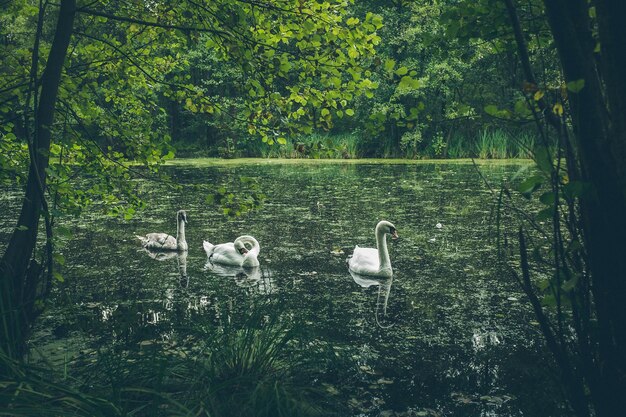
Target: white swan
(234, 253)
(374, 262)
(163, 241)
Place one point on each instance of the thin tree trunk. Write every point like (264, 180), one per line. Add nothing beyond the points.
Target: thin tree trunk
(599, 134)
(17, 284)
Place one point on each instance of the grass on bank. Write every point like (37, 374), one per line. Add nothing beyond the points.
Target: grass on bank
(487, 144)
(232, 372)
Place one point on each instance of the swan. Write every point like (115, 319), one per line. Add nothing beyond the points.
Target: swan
(234, 253)
(165, 242)
(374, 262)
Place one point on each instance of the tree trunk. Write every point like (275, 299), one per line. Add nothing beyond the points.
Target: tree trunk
(17, 284)
(600, 133)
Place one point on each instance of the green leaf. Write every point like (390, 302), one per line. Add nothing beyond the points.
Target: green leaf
(570, 284)
(543, 159)
(58, 258)
(491, 109)
(57, 275)
(547, 198)
(545, 214)
(21, 228)
(350, 112)
(576, 86)
(63, 232)
(402, 71)
(521, 107)
(577, 189)
(528, 186)
(389, 65)
(408, 82)
(281, 141)
(592, 12)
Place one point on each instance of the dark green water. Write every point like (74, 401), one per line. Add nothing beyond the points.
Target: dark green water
(449, 336)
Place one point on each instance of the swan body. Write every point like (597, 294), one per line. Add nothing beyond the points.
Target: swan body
(235, 253)
(165, 242)
(374, 262)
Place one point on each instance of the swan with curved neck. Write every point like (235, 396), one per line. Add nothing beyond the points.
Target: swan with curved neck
(165, 242)
(374, 262)
(244, 251)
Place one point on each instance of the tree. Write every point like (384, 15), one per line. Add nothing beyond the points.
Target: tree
(108, 66)
(584, 116)
(598, 117)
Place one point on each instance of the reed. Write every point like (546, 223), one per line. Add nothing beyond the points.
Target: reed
(27, 390)
(492, 144)
(458, 147)
(313, 146)
(225, 372)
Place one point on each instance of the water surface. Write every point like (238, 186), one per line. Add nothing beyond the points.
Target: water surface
(450, 335)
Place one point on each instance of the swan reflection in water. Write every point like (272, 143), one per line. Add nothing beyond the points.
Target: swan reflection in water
(384, 289)
(255, 277)
(181, 259)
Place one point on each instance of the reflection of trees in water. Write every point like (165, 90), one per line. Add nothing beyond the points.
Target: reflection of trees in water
(384, 289)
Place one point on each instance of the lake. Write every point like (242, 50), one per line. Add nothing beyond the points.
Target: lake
(450, 335)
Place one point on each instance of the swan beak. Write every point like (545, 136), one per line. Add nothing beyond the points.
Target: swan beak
(394, 235)
(243, 251)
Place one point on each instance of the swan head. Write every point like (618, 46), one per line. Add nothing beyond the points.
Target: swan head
(240, 247)
(386, 227)
(181, 215)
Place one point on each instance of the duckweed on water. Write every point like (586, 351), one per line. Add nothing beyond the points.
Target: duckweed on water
(449, 336)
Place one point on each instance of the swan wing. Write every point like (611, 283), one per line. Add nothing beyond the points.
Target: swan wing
(225, 253)
(208, 247)
(364, 259)
(158, 241)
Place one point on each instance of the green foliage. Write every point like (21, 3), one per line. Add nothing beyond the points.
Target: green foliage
(240, 71)
(231, 372)
(492, 144)
(13, 157)
(29, 390)
(235, 204)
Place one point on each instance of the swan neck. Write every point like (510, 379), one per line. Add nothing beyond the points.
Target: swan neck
(256, 248)
(383, 254)
(180, 232)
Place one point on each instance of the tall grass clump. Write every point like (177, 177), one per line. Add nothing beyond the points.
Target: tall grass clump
(313, 146)
(500, 144)
(248, 371)
(458, 147)
(524, 144)
(249, 375)
(324, 146)
(492, 144)
(27, 390)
